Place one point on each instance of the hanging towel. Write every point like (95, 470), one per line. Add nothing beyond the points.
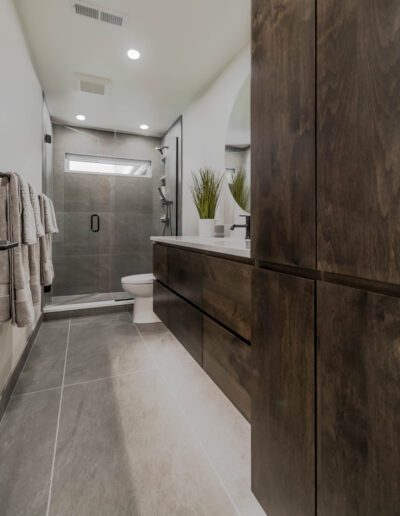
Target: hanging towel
(22, 311)
(50, 222)
(36, 211)
(34, 272)
(29, 233)
(5, 307)
(46, 259)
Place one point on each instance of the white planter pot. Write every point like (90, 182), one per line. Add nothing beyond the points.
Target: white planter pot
(206, 227)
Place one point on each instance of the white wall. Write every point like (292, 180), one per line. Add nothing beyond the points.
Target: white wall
(21, 119)
(205, 124)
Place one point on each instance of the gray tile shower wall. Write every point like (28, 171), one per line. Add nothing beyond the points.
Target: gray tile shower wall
(129, 210)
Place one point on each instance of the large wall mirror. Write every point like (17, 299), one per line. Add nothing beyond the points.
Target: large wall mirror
(238, 154)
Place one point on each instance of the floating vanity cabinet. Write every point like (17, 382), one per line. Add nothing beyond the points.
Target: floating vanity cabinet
(283, 420)
(160, 263)
(227, 360)
(205, 301)
(227, 293)
(161, 299)
(185, 269)
(186, 323)
(358, 402)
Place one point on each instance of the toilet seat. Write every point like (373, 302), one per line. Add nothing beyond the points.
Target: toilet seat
(138, 279)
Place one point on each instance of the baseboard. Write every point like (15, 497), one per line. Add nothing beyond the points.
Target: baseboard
(12, 381)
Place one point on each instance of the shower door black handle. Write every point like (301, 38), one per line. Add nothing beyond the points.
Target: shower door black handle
(95, 223)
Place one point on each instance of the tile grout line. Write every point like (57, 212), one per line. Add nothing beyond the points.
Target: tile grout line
(182, 410)
(121, 375)
(58, 422)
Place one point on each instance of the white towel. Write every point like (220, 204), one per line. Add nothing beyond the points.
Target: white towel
(36, 212)
(46, 259)
(29, 234)
(50, 222)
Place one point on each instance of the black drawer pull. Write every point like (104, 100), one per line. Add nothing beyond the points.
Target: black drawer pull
(95, 227)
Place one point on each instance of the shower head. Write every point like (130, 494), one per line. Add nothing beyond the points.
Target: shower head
(162, 149)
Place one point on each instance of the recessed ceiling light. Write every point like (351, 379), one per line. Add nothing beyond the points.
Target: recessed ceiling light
(144, 127)
(80, 117)
(133, 54)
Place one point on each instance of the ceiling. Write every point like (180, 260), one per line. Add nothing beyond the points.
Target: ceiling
(184, 46)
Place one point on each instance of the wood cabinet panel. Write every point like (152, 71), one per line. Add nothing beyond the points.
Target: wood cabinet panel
(161, 299)
(283, 132)
(283, 419)
(160, 262)
(185, 270)
(227, 360)
(227, 293)
(186, 323)
(358, 402)
(359, 138)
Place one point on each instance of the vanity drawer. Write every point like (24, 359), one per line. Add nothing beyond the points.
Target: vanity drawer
(161, 299)
(227, 360)
(186, 323)
(227, 293)
(160, 262)
(185, 274)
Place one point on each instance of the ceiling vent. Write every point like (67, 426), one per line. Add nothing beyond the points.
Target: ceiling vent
(114, 19)
(99, 14)
(87, 10)
(92, 84)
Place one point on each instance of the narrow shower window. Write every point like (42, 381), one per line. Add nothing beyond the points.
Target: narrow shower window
(84, 164)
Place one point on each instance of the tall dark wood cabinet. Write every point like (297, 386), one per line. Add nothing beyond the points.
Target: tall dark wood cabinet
(326, 245)
(283, 398)
(358, 402)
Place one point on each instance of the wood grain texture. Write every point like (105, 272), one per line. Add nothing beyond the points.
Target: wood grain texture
(186, 323)
(161, 299)
(283, 421)
(160, 262)
(358, 402)
(359, 138)
(283, 132)
(227, 360)
(185, 270)
(226, 290)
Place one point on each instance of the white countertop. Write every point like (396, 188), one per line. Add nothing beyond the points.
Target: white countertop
(230, 246)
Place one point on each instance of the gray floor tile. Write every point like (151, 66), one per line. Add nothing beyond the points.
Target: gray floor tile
(125, 448)
(165, 348)
(104, 345)
(222, 430)
(45, 364)
(27, 435)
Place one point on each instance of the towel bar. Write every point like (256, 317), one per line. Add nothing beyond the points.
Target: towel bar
(6, 244)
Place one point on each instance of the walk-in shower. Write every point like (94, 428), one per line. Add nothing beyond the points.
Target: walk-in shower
(105, 190)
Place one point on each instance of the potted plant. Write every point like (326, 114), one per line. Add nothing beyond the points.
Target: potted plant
(206, 189)
(239, 189)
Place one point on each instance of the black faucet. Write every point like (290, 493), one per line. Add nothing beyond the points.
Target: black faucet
(247, 226)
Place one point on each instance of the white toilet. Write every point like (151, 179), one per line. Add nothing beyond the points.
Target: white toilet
(141, 288)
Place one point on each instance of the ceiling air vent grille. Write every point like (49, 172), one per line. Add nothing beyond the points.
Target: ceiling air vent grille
(114, 19)
(86, 10)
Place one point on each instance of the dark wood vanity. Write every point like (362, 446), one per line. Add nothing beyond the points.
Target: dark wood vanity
(205, 302)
